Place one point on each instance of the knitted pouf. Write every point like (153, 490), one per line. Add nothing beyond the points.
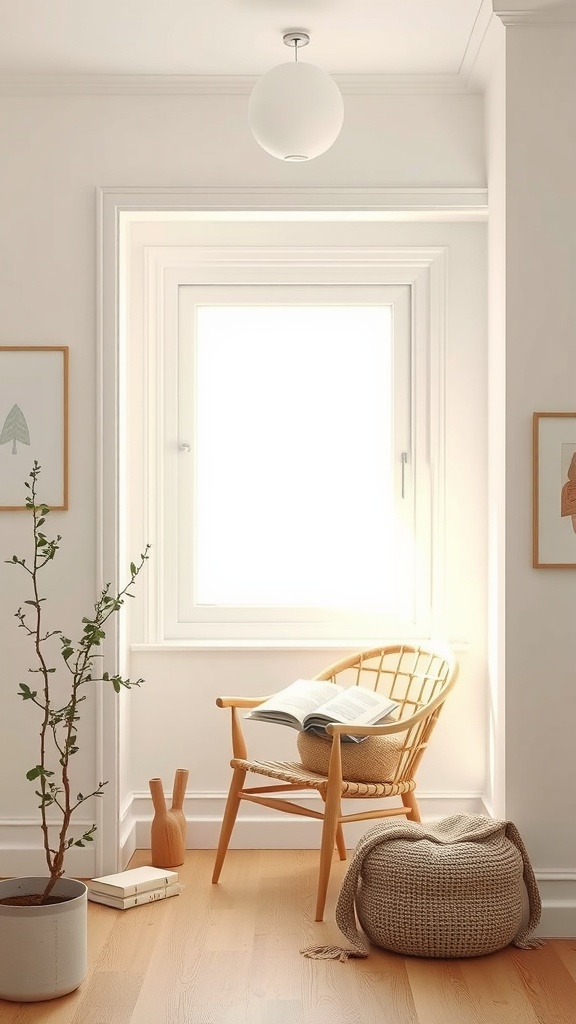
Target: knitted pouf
(452, 888)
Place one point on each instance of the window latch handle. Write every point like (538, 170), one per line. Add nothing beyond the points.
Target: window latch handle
(404, 461)
(184, 447)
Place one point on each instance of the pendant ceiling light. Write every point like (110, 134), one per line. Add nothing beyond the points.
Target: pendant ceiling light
(295, 110)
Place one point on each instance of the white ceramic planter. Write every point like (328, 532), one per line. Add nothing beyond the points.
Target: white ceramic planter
(43, 950)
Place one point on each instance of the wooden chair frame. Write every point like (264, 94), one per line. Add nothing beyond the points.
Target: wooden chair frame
(419, 678)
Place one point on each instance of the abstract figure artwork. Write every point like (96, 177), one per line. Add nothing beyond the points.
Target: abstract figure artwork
(554, 490)
(568, 493)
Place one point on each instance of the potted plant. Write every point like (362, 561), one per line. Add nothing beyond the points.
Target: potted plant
(43, 921)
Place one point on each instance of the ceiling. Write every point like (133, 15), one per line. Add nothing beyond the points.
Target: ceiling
(236, 37)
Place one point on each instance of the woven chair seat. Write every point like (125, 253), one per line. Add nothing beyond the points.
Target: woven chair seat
(296, 774)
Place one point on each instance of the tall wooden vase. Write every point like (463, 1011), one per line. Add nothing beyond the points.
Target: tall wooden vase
(178, 794)
(166, 835)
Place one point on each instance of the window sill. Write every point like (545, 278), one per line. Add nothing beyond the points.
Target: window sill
(280, 644)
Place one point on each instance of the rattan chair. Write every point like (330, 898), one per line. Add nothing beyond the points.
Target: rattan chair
(419, 679)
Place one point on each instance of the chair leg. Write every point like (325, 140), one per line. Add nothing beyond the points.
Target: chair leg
(232, 805)
(410, 802)
(329, 838)
(340, 843)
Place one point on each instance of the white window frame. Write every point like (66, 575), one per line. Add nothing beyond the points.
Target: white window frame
(422, 270)
(183, 615)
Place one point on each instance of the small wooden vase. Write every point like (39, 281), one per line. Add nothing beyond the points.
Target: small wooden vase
(167, 843)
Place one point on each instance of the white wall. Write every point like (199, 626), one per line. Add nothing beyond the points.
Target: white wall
(56, 149)
(531, 161)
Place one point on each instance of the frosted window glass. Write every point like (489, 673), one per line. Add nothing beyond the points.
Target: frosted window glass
(293, 476)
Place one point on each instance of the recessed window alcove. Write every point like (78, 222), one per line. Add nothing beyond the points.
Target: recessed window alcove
(423, 250)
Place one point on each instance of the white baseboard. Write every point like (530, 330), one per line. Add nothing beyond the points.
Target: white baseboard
(22, 853)
(264, 829)
(558, 919)
(558, 894)
(21, 850)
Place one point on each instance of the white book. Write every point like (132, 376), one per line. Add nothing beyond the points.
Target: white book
(138, 900)
(133, 880)
(311, 704)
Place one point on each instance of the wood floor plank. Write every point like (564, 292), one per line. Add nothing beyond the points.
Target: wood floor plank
(277, 1011)
(496, 991)
(440, 993)
(111, 998)
(383, 989)
(566, 950)
(222, 980)
(328, 994)
(549, 984)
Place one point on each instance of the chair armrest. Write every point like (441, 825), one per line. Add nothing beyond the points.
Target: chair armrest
(239, 702)
(234, 703)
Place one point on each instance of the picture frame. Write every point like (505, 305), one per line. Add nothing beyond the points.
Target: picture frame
(554, 490)
(33, 423)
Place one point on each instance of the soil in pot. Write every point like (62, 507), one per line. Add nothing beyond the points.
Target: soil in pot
(32, 900)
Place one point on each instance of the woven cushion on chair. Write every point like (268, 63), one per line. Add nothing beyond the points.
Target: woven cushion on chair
(453, 888)
(373, 760)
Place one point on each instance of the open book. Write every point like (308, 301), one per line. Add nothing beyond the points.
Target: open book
(311, 704)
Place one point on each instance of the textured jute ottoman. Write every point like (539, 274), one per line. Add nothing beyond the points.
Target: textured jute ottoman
(451, 888)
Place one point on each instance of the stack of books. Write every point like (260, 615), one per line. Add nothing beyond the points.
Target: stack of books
(134, 887)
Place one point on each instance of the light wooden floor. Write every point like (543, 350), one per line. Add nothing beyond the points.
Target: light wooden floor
(229, 954)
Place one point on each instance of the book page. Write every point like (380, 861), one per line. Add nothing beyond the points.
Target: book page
(357, 705)
(299, 699)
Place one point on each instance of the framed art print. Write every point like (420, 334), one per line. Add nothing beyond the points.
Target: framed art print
(33, 423)
(554, 490)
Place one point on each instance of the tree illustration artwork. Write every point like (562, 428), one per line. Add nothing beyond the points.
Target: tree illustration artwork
(15, 429)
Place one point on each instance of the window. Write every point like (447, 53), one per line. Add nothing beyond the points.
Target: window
(295, 511)
(292, 465)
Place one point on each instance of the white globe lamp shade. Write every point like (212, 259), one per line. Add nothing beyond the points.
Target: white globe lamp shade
(295, 111)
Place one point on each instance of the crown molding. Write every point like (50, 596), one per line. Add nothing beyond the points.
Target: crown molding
(373, 203)
(556, 15)
(215, 85)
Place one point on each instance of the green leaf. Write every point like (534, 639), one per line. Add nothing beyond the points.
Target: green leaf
(36, 772)
(26, 693)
